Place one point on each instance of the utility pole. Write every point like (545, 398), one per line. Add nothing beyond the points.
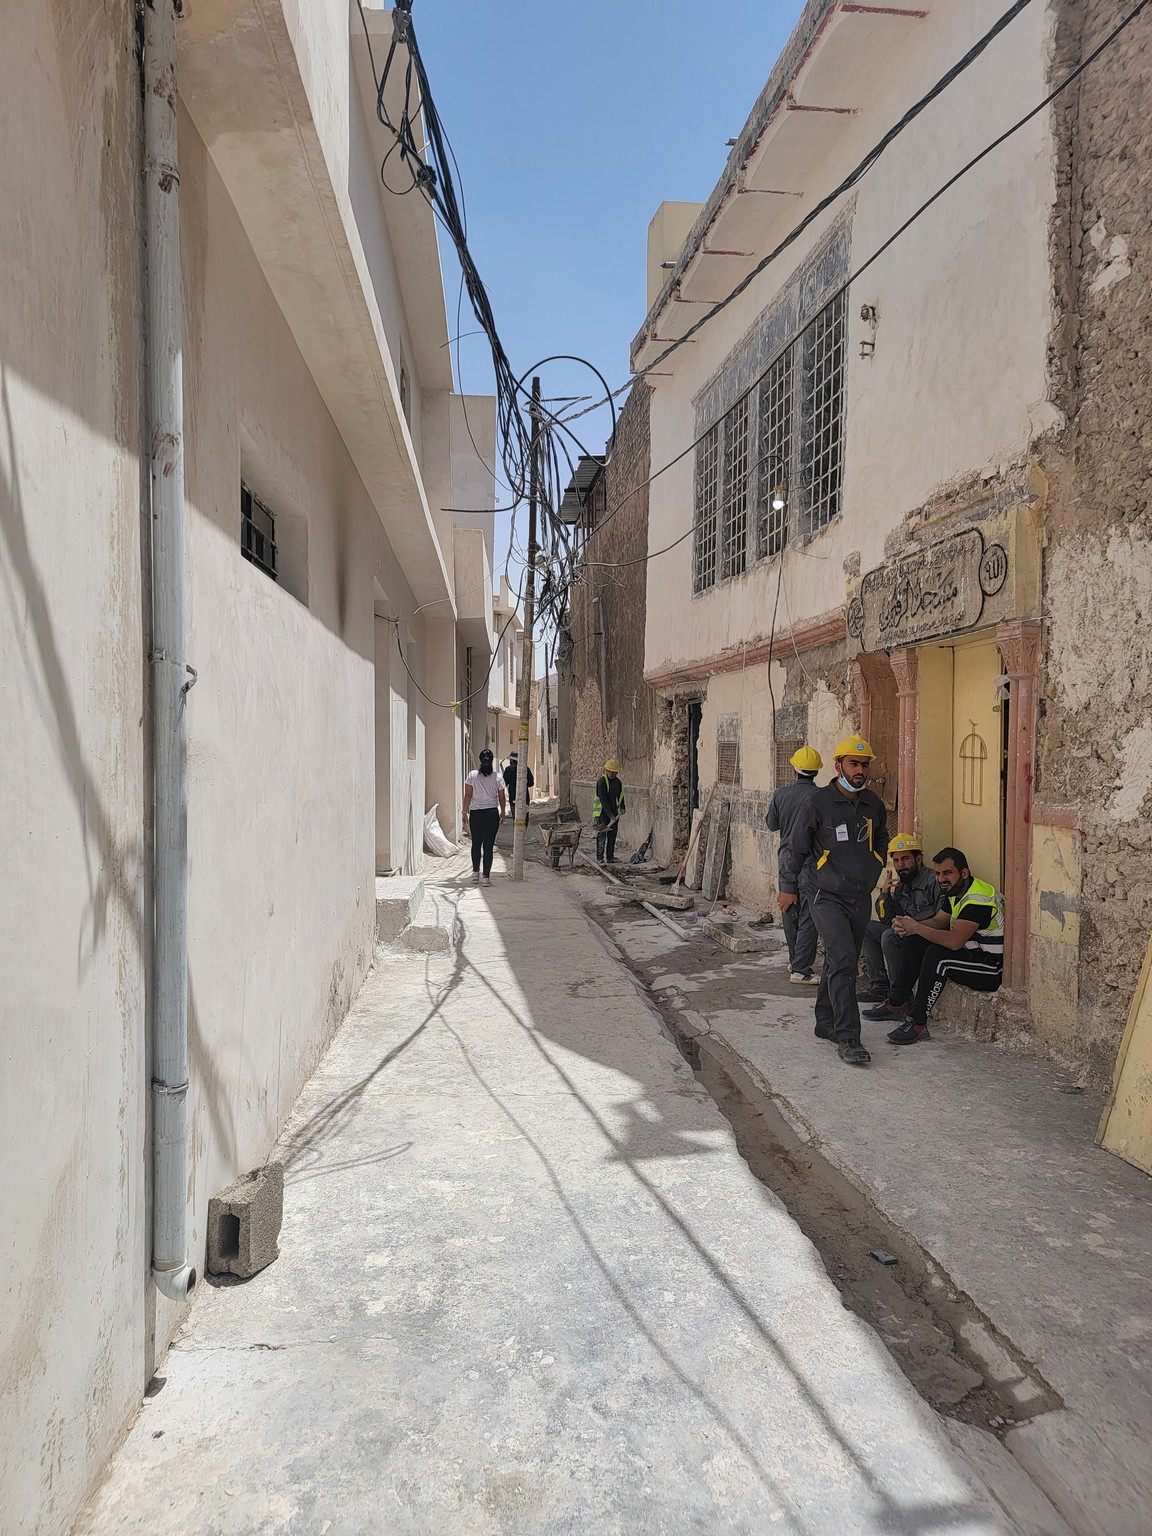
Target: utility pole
(521, 808)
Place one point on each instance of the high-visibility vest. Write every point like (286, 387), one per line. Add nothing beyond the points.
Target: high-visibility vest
(597, 810)
(989, 939)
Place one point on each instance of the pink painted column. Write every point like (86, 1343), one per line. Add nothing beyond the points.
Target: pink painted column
(864, 699)
(1019, 642)
(906, 670)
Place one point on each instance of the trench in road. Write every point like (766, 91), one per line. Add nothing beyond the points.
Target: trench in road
(950, 1352)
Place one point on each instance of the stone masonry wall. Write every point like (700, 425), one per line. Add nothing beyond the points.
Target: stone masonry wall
(618, 720)
(1094, 748)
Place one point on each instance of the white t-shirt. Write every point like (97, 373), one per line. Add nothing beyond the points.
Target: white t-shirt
(486, 789)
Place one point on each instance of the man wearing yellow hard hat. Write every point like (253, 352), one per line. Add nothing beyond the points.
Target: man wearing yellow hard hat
(783, 809)
(607, 809)
(909, 889)
(843, 828)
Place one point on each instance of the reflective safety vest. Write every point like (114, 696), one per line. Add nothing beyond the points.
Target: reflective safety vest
(990, 938)
(598, 812)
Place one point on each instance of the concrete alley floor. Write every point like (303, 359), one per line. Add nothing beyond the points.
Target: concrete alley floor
(980, 1157)
(528, 1285)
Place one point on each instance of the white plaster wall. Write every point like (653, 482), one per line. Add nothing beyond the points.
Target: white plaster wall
(72, 1069)
(958, 379)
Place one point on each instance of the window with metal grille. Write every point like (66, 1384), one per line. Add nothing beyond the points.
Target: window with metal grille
(727, 762)
(822, 415)
(785, 748)
(776, 408)
(707, 499)
(257, 532)
(735, 518)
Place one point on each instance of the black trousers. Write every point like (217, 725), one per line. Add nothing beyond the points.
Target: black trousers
(483, 826)
(606, 841)
(800, 933)
(938, 966)
(840, 922)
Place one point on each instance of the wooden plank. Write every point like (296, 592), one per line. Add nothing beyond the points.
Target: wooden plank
(717, 848)
(1126, 1124)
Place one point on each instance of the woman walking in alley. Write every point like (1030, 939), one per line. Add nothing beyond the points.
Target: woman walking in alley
(484, 810)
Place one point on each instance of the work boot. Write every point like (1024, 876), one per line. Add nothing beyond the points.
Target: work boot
(886, 1010)
(853, 1053)
(871, 992)
(909, 1033)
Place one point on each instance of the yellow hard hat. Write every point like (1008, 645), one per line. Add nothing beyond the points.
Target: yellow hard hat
(906, 842)
(854, 746)
(806, 760)
(611, 766)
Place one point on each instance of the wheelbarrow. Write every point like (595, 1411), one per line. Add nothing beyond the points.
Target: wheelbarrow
(561, 832)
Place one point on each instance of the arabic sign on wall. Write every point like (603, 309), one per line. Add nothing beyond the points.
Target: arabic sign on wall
(940, 590)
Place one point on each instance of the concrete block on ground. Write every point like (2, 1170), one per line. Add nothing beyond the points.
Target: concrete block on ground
(730, 936)
(431, 929)
(660, 898)
(398, 899)
(244, 1223)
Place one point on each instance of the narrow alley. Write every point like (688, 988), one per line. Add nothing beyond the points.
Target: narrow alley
(528, 1284)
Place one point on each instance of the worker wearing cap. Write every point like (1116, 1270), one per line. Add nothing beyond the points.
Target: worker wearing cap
(783, 810)
(844, 829)
(908, 889)
(607, 809)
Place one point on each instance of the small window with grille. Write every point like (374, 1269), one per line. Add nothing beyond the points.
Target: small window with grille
(776, 406)
(785, 750)
(707, 500)
(823, 414)
(735, 519)
(257, 532)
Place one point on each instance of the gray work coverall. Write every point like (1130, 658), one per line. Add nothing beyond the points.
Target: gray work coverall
(799, 929)
(847, 836)
(918, 899)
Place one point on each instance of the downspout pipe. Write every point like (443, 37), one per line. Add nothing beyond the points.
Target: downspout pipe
(171, 678)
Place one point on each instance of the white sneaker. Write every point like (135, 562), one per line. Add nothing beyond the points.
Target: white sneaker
(804, 979)
(485, 880)
(475, 877)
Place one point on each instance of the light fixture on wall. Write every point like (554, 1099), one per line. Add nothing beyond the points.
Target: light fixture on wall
(779, 498)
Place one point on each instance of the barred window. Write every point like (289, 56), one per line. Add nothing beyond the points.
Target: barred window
(776, 405)
(735, 518)
(257, 532)
(825, 343)
(707, 501)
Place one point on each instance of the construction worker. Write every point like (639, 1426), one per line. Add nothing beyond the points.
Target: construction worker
(607, 809)
(510, 785)
(844, 829)
(909, 889)
(783, 809)
(963, 942)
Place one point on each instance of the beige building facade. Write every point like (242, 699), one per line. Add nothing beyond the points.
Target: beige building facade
(333, 609)
(877, 518)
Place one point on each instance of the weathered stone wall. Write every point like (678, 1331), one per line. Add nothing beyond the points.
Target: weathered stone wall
(1094, 748)
(613, 711)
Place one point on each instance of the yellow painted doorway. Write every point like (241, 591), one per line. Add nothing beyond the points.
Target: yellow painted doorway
(978, 759)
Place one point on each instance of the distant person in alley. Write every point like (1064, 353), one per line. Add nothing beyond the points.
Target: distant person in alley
(843, 829)
(607, 809)
(510, 773)
(484, 809)
(911, 892)
(962, 942)
(783, 810)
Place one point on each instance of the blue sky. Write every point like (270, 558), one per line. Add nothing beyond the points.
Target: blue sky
(571, 123)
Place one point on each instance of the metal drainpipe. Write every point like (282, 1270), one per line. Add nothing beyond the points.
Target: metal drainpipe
(171, 678)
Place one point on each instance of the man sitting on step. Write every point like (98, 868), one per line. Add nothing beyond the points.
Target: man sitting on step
(911, 891)
(963, 942)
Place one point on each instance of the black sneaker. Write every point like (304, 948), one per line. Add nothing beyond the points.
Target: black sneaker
(822, 1033)
(886, 1011)
(909, 1033)
(854, 1053)
(871, 992)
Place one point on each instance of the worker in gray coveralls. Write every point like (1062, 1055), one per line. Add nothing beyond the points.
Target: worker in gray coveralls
(783, 809)
(844, 828)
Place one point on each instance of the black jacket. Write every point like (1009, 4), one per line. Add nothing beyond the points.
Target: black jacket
(848, 839)
(784, 808)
